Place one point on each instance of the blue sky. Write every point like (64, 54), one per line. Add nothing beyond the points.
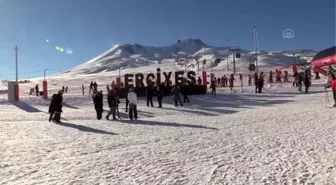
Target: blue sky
(90, 27)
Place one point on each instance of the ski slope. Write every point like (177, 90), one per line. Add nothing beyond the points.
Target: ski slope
(279, 137)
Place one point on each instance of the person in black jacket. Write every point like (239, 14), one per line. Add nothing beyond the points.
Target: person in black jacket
(306, 82)
(149, 95)
(58, 101)
(98, 103)
(37, 90)
(159, 95)
(176, 95)
(184, 92)
(52, 107)
(261, 82)
(112, 102)
(256, 82)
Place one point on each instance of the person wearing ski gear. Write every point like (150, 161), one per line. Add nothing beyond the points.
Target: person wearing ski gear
(306, 82)
(261, 82)
(231, 82)
(299, 83)
(213, 87)
(133, 101)
(184, 92)
(176, 96)
(98, 103)
(149, 95)
(241, 79)
(112, 103)
(58, 103)
(296, 79)
(225, 81)
(256, 82)
(37, 90)
(91, 87)
(52, 107)
(218, 81)
(95, 86)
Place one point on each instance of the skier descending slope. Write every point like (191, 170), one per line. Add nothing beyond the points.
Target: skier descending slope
(133, 101)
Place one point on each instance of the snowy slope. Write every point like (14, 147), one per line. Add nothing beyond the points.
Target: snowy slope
(240, 138)
(184, 51)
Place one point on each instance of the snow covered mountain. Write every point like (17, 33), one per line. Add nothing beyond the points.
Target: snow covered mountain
(185, 53)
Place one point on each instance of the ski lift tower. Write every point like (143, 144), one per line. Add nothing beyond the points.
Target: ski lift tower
(235, 51)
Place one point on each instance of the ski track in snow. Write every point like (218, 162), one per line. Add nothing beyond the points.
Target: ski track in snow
(240, 138)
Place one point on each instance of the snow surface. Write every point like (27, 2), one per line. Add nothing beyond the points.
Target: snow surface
(187, 52)
(279, 137)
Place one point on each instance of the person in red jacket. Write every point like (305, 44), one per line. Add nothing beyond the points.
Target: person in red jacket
(333, 87)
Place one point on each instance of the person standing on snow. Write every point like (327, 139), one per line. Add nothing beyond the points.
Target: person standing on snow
(98, 103)
(176, 96)
(52, 107)
(37, 90)
(241, 79)
(333, 87)
(112, 102)
(58, 106)
(95, 86)
(184, 92)
(83, 92)
(225, 81)
(133, 101)
(159, 95)
(213, 87)
(306, 82)
(149, 95)
(299, 82)
(91, 87)
(261, 82)
(231, 82)
(256, 82)
(249, 79)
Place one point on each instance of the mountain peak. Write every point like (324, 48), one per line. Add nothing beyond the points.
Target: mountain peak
(191, 41)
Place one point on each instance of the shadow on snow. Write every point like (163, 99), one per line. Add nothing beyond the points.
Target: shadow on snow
(85, 128)
(153, 123)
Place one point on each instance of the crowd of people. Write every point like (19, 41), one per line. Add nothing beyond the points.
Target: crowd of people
(113, 99)
(223, 81)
